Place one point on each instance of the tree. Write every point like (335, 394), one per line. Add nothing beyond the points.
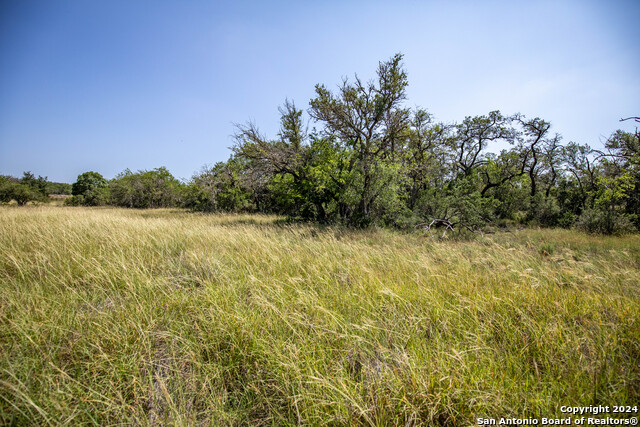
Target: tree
(472, 137)
(582, 168)
(551, 162)
(156, 188)
(425, 156)
(37, 185)
(59, 188)
(219, 188)
(24, 190)
(535, 132)
(619, 185)
(282, 156)
(282, 161)
(90, 189)
(368, 119)
(501, 169)
(86, 182)
(11, 189)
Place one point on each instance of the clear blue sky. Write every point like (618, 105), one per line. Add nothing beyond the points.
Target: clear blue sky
(109, 85)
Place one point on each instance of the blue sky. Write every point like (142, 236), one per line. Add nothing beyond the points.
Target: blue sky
(109, 85)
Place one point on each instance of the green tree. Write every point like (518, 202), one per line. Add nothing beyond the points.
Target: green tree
(59, 188)
(90, 189)
(11, 189)
(368, 118)
(425, 158)
(472, 136)
(24, 190)
(582, 170)
(616, 193)
(219, 188)
(156, 188)
(38, 185)
(303, 172)
(282, 159)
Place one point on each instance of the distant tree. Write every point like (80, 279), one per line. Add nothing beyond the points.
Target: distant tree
(220, 188)
(23, 194)
(59, 188)
(37, 185)
(90, 189)
(618, 189)
(425, 157)
(156, 188)
(11, 189)
(23, 190)
(288, 162)
(87, 181)
(282, 156)
(6, 194)
(551, 163)
(535, 133)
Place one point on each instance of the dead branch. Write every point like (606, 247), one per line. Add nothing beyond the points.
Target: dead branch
(637, 119)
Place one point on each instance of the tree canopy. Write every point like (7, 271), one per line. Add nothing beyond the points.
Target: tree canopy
(371, 159)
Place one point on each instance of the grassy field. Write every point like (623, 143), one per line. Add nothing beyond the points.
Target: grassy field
(164, 317)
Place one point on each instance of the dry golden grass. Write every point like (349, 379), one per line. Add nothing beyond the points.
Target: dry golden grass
(111, 316)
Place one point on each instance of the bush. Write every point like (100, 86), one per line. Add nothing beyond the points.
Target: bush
(77, 200)
(156, 188)
(599, 221)
(546, 211)
(567, 220)
(520, 217)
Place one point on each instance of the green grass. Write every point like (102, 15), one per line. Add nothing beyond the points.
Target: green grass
(164, 317)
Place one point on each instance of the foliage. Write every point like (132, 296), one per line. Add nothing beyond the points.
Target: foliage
(371, 160)
(156, 188)
(24, 190)
(218, 189)
(620, 184)
(90, 189)
(368, 119)
(374, 161)
(61, 188)
(37, 185)
(21, 193)
(86, 182)
(605, 221)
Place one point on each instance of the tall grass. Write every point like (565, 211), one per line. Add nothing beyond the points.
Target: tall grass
(112, 316)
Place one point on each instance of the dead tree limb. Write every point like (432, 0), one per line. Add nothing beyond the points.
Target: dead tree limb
(637, 119)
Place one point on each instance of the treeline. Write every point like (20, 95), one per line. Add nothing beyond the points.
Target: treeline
(369, 159)
(143, 189)
(30, 189)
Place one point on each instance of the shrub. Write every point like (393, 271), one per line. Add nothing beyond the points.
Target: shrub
(546, 211)
(600, 221)
(567, 220)
(77, 200)
(156, 188)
